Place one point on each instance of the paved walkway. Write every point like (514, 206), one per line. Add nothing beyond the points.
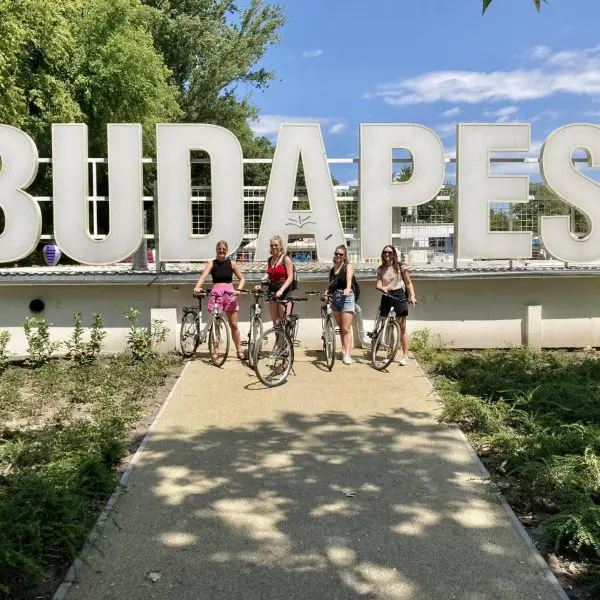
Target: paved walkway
(335, 486)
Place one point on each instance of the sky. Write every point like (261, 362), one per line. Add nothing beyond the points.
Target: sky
(432, 62)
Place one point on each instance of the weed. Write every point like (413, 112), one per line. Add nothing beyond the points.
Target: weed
(39, 347)
(80, 351)
(141, 341)
(4, 355)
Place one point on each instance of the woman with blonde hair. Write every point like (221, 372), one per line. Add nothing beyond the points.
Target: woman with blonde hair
(222, 270)
(280, 276)
(394, 279)
(340, 287)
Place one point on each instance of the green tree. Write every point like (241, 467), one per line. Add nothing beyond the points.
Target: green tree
(213, 48)
(537, 4)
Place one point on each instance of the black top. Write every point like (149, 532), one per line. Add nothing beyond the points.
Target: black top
(337, 282)
(222, 271)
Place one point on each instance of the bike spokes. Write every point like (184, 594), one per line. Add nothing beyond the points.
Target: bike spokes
(274, 358)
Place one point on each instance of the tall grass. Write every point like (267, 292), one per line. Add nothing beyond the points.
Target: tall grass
(65, 428)
(535, 419)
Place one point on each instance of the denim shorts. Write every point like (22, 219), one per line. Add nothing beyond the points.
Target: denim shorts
(343, 303)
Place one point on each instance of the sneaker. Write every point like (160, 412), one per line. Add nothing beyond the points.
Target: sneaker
(403, 361)
(347, 359)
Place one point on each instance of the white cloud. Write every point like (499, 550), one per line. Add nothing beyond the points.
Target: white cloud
(568, 72)
(592, 113)
(351, 182)
(446, 129)
(502, 115)
(451, 112)
(539, 52)
(338, 128)
(312, 53)
(268, 125)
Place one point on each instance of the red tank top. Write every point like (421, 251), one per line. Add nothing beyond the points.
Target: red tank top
(277, 273)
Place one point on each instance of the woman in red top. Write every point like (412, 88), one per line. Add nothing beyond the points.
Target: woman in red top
(280, 275)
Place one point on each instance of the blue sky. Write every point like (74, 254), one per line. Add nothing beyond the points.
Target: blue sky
(432, 62)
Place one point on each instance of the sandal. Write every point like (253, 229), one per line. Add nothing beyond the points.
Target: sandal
(241, 355)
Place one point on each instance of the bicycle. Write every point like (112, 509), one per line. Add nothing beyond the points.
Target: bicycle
(256, 323)
(328, 328)
(274, 350)
(385, 338)
(192, 334)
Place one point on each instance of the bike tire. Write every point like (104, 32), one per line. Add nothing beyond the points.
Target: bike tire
(218, 341)
(385, 345)
(188, 334)
(256, 330)
(329, 343)
(273, 358)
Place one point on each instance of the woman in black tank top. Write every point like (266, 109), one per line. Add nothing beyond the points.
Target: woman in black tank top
(222, 270)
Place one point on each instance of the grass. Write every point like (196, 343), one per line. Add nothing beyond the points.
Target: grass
(534, 418)
(64, 429)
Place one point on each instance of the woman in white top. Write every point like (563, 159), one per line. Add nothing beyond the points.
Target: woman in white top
(394, 279)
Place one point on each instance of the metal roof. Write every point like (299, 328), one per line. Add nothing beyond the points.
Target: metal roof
(187, 273)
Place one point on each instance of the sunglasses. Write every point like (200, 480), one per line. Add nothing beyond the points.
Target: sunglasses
(339, 254)
(387, 252)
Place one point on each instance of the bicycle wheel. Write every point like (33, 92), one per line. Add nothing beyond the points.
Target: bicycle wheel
(385, 345)
(329, 342)
(256, 330)
(274, 357)
(218, 341)
(188, 334)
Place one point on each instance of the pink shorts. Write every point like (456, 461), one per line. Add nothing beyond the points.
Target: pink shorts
(228, 302)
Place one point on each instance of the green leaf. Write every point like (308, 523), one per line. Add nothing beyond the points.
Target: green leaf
(537, 4)
(486, 3)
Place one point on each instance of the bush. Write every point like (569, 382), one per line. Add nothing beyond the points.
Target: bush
(4, 355)
(39, 347)
(141, 341)
(80, 351)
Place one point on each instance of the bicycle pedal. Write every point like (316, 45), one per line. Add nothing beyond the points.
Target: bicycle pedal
(370, 334)
(244, 343)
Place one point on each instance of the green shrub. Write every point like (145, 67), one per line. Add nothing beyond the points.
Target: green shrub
(39, 347)
(142, 342)
(80, 351)
(4, 354)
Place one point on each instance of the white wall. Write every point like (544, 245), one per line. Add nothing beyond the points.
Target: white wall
(547, 311)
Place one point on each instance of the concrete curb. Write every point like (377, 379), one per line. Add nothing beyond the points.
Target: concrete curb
(63, 588)
(539, 559)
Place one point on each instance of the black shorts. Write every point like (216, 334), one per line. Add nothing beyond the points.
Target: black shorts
(399, 302)
(275, 286)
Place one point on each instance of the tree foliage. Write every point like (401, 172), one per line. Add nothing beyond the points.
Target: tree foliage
(140, 61)
(537, 4)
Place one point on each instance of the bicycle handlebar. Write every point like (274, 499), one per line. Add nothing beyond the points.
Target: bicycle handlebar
(204, 293)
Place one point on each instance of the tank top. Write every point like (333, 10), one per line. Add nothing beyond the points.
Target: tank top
(391, 279)
(222, 271)
(337, 282)
(277, 273)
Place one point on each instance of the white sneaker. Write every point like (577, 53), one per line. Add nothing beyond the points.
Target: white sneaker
(347, 359)
(403, 361)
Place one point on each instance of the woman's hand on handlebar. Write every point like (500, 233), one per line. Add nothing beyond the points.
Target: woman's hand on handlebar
(197, 290)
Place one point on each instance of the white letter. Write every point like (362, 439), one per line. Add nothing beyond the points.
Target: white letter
(378, 193)
(22, 215)
(174, 144)
(477, 189)
(322, 219)
(70, 184)
(575, 189)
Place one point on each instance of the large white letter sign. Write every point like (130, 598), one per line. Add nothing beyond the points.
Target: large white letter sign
(323, 219)
(22, 216)
(177, 242)
(575, 189)
(378, 193)
(477, 189)
(71, 183)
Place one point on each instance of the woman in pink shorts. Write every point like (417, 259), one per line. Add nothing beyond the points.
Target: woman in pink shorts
(222, 270)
